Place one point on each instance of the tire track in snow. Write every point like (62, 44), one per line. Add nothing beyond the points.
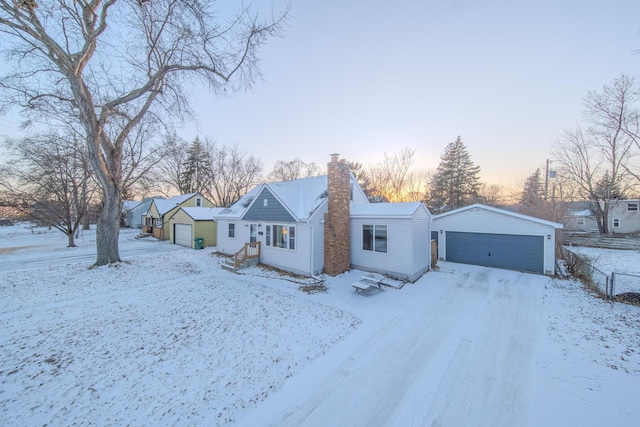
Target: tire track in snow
(492, 386)
(383, 370)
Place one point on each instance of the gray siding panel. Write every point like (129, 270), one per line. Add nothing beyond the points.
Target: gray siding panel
(513, 252)
(273, 211)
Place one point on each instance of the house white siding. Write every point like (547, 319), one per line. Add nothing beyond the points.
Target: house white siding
(230, 246)
(317, 230)
(407, 255)
(478, 220)
(421, 233)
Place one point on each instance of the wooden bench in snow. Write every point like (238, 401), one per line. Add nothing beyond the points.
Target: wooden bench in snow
(368, 281)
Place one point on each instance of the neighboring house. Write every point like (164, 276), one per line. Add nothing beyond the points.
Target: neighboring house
(188, 224)
(579, 218)
(326, 224)
(624, 218)
(133, 212)
(493, 237)
(161, 210)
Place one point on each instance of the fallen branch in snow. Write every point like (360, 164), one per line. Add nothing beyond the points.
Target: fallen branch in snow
(314, 288)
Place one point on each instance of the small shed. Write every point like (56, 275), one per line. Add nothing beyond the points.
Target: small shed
(493, 237)
(190, 223)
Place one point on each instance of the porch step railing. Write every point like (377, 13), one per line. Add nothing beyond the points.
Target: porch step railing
(249, 251)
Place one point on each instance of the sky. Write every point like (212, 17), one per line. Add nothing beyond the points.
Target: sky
(369, 78)
(365, 78)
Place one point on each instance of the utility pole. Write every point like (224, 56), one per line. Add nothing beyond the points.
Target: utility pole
(546, 181)
(548, 174)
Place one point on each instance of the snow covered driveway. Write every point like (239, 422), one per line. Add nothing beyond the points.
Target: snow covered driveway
(464, 355)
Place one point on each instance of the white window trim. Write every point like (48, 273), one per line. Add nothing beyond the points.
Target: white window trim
(613, 222)
(271, 234)
(635, 206)
(373, 235)
(581, 221)
(229, 227)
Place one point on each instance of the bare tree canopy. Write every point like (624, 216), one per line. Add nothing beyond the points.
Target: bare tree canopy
(394, 179)
(104, 66)
(234, 172)
(598, 161)
(48, 180)
(293, 169)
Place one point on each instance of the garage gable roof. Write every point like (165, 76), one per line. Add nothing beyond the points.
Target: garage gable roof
(502, 212)
(201, 213)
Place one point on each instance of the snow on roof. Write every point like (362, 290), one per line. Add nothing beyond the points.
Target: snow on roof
(127, 205)
(201, 213)
(301, 197)
(402, 209)
(584, 212)
(238, 209)
(165, 205)
(500, 211)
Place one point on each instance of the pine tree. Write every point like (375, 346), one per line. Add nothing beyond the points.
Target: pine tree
(456, 182)
(196, 177)
(532, 192)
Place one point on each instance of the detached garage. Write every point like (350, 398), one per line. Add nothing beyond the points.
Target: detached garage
(492, 237)
(191, 223)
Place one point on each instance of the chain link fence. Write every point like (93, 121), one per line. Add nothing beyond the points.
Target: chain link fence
(617, 286)
(582, 268)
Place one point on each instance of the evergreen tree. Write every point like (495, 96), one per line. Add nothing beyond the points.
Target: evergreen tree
(456, 182)
(532, 192)
(197, 171)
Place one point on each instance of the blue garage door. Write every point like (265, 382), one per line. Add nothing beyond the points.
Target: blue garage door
(512, 252)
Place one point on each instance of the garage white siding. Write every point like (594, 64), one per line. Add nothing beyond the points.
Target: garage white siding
(494, 221)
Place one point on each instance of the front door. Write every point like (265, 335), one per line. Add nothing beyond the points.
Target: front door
(253, 233)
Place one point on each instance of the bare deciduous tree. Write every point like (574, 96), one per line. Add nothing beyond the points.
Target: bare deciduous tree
(284, 170)
(167, 173)
(106, 65)
(234, 172)
(47, 180)
(598, 160)
(395, 180)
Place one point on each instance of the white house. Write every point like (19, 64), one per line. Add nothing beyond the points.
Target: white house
(326, 224)
(494, 237)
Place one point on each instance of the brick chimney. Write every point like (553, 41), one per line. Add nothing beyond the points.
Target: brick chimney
(337, 225)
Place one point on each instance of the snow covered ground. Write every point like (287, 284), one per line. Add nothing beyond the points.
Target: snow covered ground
(169, 338)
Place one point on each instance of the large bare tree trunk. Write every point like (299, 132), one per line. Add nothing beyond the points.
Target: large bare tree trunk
(108, 229)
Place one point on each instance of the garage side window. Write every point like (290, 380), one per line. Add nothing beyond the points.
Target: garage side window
(232, 230)
(374, 238)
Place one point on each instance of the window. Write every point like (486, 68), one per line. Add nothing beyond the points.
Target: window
(616, 222)
(580, 221)
(198, 201)
(374, 238)
(232, 230)
(253, 233)
(632, 206)
(265, 202)
(283, 236)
